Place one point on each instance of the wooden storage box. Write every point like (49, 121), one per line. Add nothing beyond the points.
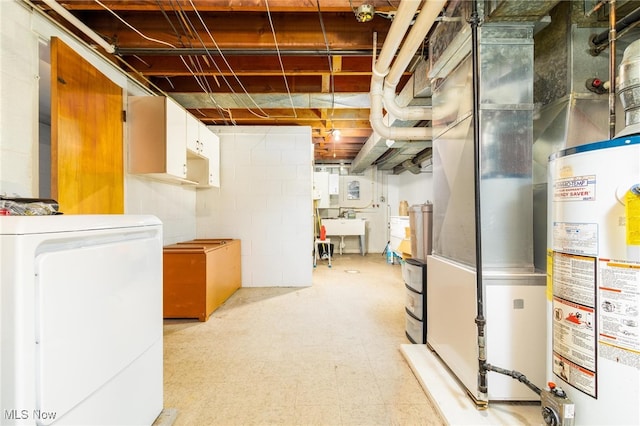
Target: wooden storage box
(199, 276)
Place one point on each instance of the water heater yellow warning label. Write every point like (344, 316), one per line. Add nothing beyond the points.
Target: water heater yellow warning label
(632, 213)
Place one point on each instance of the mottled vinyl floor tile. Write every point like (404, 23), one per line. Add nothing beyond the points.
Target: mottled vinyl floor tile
(322, 355)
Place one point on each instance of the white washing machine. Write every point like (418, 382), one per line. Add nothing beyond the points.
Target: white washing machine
(81, 320)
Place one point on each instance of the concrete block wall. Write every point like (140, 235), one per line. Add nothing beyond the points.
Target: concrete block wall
(18, 101)
(264, 200)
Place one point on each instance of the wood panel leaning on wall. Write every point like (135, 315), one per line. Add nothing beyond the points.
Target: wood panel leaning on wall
(87, 160)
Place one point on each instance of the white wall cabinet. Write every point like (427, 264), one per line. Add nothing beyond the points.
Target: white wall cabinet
(168, 143)
(198, 135)
(212, 144)
(334, 184)
(157, 143)
(203, 162)
(193, 134)
(321, 189)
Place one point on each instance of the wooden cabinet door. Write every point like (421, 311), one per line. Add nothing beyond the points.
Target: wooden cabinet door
(87, 165)
(211, 150)
(193, 134)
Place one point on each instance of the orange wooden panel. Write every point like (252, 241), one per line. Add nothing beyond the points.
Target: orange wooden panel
(223, 274)
(87, 157)
(184, 292)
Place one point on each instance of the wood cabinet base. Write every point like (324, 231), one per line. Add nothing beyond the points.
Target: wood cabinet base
(199, 276)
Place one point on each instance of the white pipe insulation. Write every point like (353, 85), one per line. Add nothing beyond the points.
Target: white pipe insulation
(399, 26)
(384, 80)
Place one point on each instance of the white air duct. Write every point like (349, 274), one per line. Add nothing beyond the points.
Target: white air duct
(414, 39)
(386, 97)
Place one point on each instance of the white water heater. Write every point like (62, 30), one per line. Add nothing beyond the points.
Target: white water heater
(593, 289)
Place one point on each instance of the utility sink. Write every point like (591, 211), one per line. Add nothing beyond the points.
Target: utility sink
(344, 226)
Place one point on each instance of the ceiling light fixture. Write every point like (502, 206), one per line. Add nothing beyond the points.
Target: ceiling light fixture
(365, 12)
(335, 133)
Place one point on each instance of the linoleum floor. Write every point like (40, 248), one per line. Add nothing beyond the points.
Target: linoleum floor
(328, 354)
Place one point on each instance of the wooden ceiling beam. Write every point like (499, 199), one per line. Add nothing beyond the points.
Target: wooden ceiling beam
(264, 84)
(279, 113)
(257, 121)
(247, 65)
(230, 5)
(342, 141)
(239, 31)
(349, 132)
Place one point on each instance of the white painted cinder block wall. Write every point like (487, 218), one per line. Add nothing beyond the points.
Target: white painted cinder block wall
(264, 200)
(18, 101)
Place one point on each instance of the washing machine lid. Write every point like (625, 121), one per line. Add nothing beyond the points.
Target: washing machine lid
(25, 225)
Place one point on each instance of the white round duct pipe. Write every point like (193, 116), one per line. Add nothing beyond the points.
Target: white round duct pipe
(386, 96)
(388, 132)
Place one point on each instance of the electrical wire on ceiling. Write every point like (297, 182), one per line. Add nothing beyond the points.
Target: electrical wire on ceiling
(326, 44)
(175, 30)
(275, 42)
(264, 114)
(202, 83)
(145, 36)
(200, 76)
(142, 60)
(132, 27)
(331, 74)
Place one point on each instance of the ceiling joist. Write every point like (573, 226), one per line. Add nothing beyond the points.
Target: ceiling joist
(237, 62)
